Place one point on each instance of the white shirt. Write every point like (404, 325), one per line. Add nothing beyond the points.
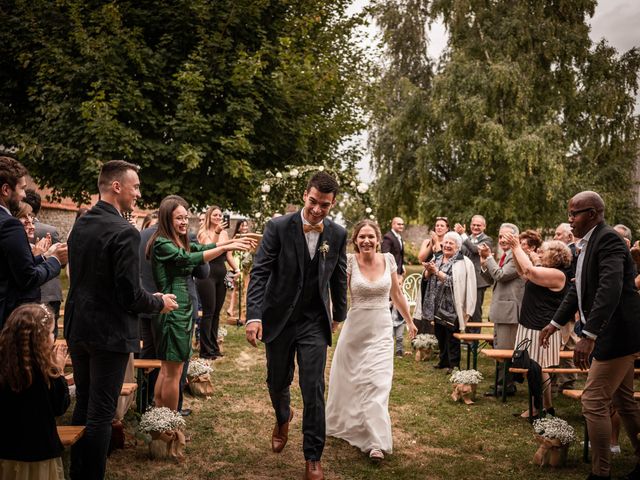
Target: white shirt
(5, 209)
(582, 245)
(311, 237)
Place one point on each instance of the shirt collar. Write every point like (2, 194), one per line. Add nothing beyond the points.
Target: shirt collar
(584, 240)
(5, 209)
(307, 222)
(398, 236)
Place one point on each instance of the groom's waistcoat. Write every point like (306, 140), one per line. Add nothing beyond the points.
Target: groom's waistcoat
(310, 298)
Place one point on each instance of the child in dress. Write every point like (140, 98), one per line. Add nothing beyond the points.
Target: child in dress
(33, 391)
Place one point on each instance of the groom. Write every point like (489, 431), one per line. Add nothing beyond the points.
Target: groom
(301, 258)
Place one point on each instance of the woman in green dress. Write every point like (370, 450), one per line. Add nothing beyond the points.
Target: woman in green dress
(172, 260)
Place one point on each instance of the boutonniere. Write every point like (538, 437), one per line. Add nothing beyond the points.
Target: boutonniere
(324, 249)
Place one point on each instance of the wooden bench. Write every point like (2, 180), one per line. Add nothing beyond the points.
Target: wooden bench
(472, 341)
(70, 434)
(480, 324)
(126, 390)
(504, 356)
(144, 367)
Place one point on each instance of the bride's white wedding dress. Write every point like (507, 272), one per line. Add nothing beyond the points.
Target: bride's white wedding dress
(362, 365)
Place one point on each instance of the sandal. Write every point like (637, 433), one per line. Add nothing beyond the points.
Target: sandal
(376, 454)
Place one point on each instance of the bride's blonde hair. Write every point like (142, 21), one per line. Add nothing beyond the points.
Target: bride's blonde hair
(359, 226)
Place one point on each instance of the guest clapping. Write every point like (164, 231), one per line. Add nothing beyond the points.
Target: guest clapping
(33, 392)
(450, 298)
(544, 290)
(432, 245)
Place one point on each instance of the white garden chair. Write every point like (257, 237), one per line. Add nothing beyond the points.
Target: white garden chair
(410, 289)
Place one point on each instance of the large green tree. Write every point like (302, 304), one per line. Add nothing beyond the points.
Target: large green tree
(522, 112)
(201, 94)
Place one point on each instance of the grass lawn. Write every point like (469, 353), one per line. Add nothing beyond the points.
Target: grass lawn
(434, 438)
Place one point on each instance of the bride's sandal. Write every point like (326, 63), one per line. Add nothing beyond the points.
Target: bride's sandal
(376, 455)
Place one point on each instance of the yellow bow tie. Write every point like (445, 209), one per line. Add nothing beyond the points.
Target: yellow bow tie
(313, 228)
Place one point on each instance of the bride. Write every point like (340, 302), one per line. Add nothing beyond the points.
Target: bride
(362, 366)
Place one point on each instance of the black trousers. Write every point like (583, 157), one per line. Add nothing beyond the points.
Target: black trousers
(55, 308)
(449, 347)
(305, 341)
(98, 376)
(148, 335)
(212, 293)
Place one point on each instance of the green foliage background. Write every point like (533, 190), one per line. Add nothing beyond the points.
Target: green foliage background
(202, 95)
(521, 112)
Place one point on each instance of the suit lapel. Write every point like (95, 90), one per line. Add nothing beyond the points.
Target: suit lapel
(325, 237)
(299, 242)
(588, 255)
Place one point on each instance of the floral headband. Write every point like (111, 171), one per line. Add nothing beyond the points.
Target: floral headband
(47, 314)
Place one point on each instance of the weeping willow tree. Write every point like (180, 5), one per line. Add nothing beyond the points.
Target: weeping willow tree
(522, 110)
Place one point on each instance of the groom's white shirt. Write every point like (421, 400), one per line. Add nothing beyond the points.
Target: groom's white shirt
(312, 242)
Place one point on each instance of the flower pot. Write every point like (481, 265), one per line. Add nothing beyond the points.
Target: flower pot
(167, 444)
(424, 354)
(201, 386)
(550, 452)
(464, 392)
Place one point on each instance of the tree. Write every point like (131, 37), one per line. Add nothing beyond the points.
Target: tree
(518, 118)
(202, 95)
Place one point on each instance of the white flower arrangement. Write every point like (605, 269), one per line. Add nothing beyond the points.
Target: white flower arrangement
(294, 172)
(266, 188)
(368, 210)
(424, 340)
(222, 332)
(362, 187)
(199, 367)
(160, 420)
(553, 427)
(324, 249)
(467, 377)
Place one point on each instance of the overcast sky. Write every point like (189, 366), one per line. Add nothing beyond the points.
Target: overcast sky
(616, 20)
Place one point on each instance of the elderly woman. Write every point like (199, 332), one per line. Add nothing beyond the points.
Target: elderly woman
(544, 290)
(531, 241)
(449, 297)
(508, 289)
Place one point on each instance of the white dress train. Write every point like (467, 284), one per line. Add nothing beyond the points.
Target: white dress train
(362, 366)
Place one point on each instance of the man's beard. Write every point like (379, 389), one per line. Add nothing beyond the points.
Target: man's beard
(13, 203)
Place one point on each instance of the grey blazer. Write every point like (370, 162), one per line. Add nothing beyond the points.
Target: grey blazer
(52, 290)
(507, 290)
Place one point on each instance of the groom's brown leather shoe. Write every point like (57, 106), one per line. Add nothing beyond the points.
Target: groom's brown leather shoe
(313, 470)
(280, 435)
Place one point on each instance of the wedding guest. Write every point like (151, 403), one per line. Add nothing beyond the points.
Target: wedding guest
(545, 287)
(392, 243)
(51, 291)
(173, 258)
(244, 261)
(212, 291)
(33, 391)
(24, 214)
(366, 335)
(450, 298)
(100, 323)
(506, 300)
(625, 233)
(149, 220)
(19, 270)
(530, 241)
(432, 245)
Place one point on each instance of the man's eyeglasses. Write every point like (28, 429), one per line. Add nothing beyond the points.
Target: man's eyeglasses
(575, 213)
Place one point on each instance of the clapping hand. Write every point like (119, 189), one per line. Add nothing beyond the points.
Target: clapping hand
(60, 354)
(460, 229)
(484, 251)
(512, 240)
(59, 250)
(430, 267)
(42, 245)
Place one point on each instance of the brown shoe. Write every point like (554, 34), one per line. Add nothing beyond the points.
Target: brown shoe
(280, 435)
(313, 470)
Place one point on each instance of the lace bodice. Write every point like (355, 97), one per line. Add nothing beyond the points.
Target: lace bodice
(367, 294)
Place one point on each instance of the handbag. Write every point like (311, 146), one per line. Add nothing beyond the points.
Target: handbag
(448, 320)
(520, 357)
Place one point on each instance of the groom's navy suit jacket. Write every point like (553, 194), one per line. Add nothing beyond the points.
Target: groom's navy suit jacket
(277, 275)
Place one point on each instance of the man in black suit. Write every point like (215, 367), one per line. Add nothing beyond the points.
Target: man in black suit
(392, 242)
(100, 323)
(604, 294)
(50, 292)
(470, 249)
(302, 257)
(20, 271)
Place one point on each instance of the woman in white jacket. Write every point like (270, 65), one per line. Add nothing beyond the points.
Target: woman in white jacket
(450, 298)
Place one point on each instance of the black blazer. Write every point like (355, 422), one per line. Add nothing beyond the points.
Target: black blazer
(105, 295)
(391, 244)
(278, 273)
(20, 271)
(610, 302)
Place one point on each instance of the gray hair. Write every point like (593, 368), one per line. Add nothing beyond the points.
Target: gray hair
(625, 231)
(565, 227)
(512, 227)
(455, 237)
(480, 217)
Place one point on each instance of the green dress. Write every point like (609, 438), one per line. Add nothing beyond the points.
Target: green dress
(171, 265)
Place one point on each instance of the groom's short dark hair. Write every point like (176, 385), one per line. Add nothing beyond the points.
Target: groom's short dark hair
(324, 183)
